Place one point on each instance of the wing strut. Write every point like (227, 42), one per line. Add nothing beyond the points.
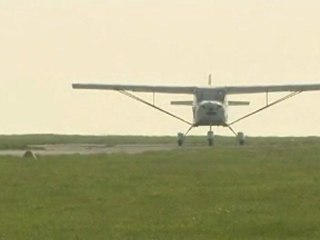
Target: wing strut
(232, 130)
(265, 107)
(153, 105)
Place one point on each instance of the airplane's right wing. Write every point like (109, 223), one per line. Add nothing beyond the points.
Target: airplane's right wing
(136, 88)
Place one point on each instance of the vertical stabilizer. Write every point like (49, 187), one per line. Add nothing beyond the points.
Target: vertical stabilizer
(210, 80)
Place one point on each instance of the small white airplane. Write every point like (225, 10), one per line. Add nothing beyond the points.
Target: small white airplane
(210, 104)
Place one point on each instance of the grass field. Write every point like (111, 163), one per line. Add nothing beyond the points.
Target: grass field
(266, 190)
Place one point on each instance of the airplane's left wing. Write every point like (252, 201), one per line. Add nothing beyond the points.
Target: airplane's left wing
(136, 88)
(271, 88)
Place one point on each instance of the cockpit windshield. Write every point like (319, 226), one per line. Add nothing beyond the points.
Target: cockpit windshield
(210, 95)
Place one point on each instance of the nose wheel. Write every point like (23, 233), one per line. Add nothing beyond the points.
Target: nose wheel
(210, 138)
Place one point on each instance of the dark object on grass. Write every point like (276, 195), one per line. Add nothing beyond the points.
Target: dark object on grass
(29, 154)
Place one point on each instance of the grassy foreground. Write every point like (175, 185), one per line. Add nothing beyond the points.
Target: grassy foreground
(265, 191)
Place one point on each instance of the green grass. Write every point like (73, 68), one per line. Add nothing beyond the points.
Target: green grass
(266, 190)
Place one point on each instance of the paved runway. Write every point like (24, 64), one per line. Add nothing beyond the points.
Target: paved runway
(86, 149)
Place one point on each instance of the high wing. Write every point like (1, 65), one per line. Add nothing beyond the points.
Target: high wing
(192, 89)
(136, 88)
(270, 88)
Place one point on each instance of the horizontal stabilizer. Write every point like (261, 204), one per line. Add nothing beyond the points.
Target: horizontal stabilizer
(238, 103)
(182, 103)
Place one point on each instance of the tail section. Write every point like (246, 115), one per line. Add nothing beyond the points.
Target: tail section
(210, 80)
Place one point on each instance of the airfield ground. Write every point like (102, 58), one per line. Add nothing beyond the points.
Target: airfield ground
(268, 189)
(88, 149)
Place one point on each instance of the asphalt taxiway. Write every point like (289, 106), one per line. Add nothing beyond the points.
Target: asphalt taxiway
(87, 149)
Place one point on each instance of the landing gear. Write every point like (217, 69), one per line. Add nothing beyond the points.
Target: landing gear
(240, 135)
(180, 139)
(210, 137)
(181, 136)
(241, 138)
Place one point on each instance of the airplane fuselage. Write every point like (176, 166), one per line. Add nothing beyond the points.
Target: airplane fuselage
(209, 108)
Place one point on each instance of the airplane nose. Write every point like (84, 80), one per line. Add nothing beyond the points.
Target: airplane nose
(210, 113)
(211, 108)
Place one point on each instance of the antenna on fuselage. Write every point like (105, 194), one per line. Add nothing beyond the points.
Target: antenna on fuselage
(210, 80)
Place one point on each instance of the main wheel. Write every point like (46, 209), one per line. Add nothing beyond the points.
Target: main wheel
(180, 139)
(241, 138)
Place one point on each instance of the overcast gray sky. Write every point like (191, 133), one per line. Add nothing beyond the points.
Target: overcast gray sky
(46, 45)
